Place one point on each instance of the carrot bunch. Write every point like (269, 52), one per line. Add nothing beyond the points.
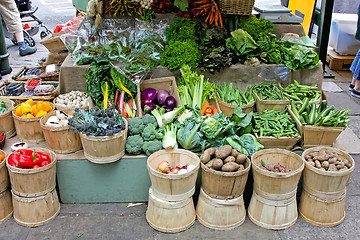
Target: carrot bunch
(210, 9)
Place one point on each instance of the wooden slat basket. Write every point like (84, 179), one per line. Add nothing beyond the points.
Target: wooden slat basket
(6, 119)
(21, 75)
(236, 7)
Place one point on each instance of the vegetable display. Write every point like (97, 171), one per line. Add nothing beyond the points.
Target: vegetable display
(268, 91)
(144, 135)
(300, 93)
(324, 115)
(97, 122)
(274, 124)
(31, 109)
(230, 94)
(327, 161)
(25, 158)
(225, 159)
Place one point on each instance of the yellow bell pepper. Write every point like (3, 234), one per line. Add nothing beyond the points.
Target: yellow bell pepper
(34, 110)
(29, 115)
(30, 102)
(41, 113)
(48, 107)
(41, 106)
(18, 111)
(25, 108)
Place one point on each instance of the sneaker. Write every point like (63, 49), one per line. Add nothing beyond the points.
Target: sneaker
(351, 87)
(27, 50)
(355, 93)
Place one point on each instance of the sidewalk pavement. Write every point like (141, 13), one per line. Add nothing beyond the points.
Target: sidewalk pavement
(117, 221)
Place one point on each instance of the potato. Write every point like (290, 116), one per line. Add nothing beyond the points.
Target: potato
(308, 157)
(241, 167)
(230, 167)
(325, 164)
(210, 151)
(332, 167)
(217, 164)
(209, 164)
(322, 168)
(340, 166)
(311, 163)
(332, 160)
(205, 157)
(344, 168)
(322, 157)
(234, 153)
(229, 159)
(223, 152)
(241, 158)
(317, 164)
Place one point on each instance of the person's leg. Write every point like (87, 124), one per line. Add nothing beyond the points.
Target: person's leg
(355, 68)
(11, 16)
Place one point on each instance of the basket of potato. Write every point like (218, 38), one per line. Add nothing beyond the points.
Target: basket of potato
(224, 172)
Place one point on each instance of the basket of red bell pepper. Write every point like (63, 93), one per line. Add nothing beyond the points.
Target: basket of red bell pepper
(26, 158)
(29, 166)
(2, 139)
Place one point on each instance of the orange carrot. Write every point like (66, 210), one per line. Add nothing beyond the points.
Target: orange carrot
(205, 106)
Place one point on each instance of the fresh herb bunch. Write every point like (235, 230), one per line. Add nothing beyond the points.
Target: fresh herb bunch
(97, 122)
(233, 95)
(268, 91)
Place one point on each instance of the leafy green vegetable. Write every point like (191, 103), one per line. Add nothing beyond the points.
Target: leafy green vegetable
(182, 29)
(179, 53)
(189, 136)
(183, 5)
(298, 57)
(120, 79)
(241, 42)
(255, 26)
(246, 144)
(169, 140)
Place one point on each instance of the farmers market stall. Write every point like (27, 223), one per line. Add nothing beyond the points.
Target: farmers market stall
(146, 103)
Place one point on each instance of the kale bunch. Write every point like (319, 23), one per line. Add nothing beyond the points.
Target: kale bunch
(97, 122)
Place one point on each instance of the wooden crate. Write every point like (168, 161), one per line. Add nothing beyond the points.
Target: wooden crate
(167, 83)
(313, 136)
(20, 76)
(281, 142)
(278, 105)
(338, 62)
(20, 99)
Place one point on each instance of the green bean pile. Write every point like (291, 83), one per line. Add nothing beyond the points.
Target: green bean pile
(268, 91)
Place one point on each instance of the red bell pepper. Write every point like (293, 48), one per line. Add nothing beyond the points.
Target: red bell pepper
(44, 163)
(25, 162)
(26, 152)
(13, 159)
(42, 156)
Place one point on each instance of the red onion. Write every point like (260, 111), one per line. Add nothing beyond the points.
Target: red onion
(161, 97)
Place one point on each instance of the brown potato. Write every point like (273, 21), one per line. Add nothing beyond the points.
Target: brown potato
(230, 167)
(241, 158)
(332, 160)
(205, 157)
(322, 168)
(241, 167)
(332, 167)
(210, 151)
(317, 164)
(311, 163)
(325, 164)
(229, 159)
(344, 168)
(209, 164)
(223, 152)
(340, 166)
(234, 153)
(322, 157)
(217, 164)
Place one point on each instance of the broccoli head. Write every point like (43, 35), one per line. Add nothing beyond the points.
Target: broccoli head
(150, 147)
(134, 144)
(149, 119)
(159, 134)
(136, 126)
(149, 132)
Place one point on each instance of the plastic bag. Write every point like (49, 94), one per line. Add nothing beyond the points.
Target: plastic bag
(14, 89)
(275, 73)
(44, 90)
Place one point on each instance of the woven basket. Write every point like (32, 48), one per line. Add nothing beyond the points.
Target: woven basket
(237, 7)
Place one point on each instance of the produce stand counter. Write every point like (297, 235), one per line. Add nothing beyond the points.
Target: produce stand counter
(71, 76)
(80, 181)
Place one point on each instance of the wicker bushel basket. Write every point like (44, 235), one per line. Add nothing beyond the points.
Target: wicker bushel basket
(237, 7)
